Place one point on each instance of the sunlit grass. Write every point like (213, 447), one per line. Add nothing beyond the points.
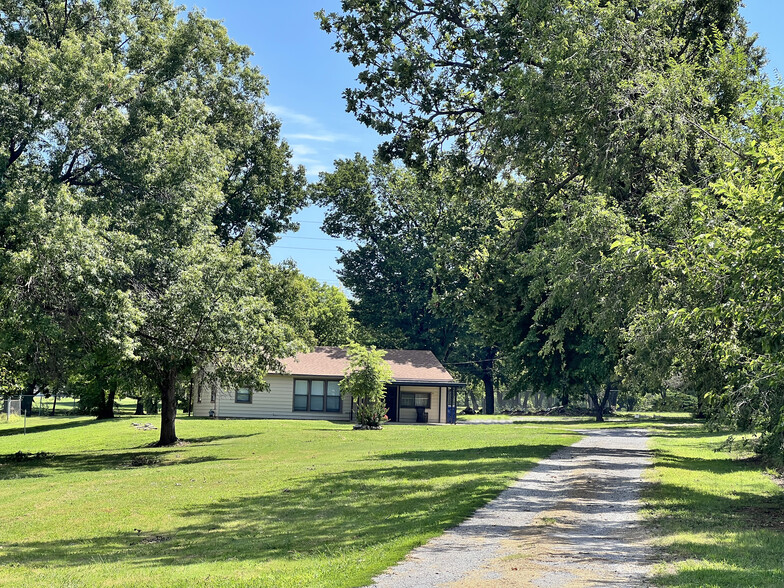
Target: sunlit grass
(717, 517)
(264, 503)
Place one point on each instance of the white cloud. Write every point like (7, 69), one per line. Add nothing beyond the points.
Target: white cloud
(300, 150)
(313, 146)
(322, 137)
(286, 114)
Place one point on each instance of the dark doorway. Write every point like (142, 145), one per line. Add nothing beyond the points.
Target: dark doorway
(392, 403)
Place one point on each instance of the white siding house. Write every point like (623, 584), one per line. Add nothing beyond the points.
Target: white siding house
(422, 390)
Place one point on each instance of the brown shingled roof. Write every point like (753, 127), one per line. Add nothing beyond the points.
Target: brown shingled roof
(407, 365)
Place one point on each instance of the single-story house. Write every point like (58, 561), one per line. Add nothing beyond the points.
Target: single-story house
(422, 390)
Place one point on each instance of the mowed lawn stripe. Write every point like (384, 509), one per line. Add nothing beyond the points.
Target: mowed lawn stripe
(265, 503)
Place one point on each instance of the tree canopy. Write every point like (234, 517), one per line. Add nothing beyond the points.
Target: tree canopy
(142, 181)
(597, 119)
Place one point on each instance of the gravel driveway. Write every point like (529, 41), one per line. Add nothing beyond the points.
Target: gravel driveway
(571, 521)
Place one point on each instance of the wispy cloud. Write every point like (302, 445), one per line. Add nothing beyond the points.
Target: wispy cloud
(322, 137)
(286, 114)
(312, 146)
(301, 150)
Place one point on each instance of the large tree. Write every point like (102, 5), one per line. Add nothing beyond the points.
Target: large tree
(721, 285)
(399, 220)
(142, 131)
(601, 112)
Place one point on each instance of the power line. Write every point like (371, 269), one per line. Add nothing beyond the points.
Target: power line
(471, 362)
(315, 238)
(301, 248)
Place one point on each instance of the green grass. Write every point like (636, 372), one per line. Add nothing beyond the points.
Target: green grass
(620, 419)
(263, 503)
(287, 503)
(718, 518)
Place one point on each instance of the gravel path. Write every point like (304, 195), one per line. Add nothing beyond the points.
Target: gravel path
(571, 521)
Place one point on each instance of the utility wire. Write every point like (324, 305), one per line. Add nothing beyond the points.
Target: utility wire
(471, 362)
(315, 238)
(302, 248)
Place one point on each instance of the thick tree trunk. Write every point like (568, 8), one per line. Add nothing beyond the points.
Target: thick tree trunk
(525, 399)
(106, 408)
(54, 404)
(168, 389)
(565, 397)
(601, 404)
(487, 380)
(139, 406)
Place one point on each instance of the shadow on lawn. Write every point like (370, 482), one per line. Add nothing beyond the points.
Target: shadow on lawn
(62, 423)
(741, 535)
(411, 495)
(20, 465)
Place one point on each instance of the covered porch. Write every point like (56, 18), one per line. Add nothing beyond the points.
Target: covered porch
(422, 401)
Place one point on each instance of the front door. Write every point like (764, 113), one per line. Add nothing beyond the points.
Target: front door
(391, 397)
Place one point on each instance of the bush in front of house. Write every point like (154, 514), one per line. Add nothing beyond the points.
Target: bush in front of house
(365, 379)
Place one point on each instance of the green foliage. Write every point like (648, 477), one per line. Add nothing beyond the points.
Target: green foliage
(142, 184)
(402, 272)
(722, 284)
(597, 119)
(365, 381)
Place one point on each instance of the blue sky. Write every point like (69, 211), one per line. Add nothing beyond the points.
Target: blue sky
(306, 81)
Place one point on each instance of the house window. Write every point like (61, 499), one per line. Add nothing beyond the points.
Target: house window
(300, 395)
(242, 395)
(414, 399)
(316, 396)
(333, 397)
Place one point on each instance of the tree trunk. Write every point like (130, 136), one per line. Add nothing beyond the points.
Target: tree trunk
(699, 413)
(600, 405)
(139, 407)
(54, 404)
(525, 399)
(564, 397)
(168, 389)
(487, 379)
(106, 408)
(474, 403)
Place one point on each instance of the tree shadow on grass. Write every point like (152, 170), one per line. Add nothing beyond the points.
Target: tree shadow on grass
(739, 534)
(61, 423)
(210, 438)
(40, 465)
(406, 497)
(718, 465)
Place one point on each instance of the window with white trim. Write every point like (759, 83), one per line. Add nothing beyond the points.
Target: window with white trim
(415, 399)
(317, 396)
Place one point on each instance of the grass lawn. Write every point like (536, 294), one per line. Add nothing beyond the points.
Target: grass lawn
(263, 503)
(621, 418)
(717, 517)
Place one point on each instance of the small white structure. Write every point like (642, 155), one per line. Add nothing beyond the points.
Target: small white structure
(422, 390)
